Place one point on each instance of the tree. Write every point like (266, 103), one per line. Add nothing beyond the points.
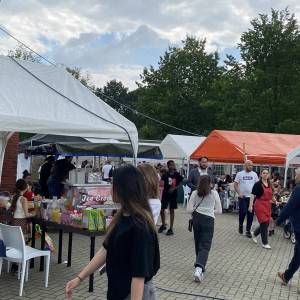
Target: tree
(23, 53)
(271, 54)
(179, 92)
(85, 79)
(116, 95)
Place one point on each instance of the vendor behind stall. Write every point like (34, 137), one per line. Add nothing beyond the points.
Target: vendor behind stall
(59, 174)
(45, 173)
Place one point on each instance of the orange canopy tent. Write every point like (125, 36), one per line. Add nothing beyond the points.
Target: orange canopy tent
(262, 148)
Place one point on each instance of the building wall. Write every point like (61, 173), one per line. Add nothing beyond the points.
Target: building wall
(10, 164)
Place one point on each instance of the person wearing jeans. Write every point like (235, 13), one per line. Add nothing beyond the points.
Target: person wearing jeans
(292, 211)
(244, 203)
(262, 193)
(243, 184)
(203, 205)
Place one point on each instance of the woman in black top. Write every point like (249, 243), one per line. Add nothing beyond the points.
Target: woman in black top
(130, 249)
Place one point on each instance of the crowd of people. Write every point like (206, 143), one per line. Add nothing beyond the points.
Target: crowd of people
(144, 193)
(256, 194)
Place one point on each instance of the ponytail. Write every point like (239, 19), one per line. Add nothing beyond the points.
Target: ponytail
(21, 186)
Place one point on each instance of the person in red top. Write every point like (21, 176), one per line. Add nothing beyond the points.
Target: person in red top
(263, 194)
(29, 195)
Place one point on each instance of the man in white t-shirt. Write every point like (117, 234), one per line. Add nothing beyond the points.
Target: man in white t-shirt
(105, 170)
(243, 185)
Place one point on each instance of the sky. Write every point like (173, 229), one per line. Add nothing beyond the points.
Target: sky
(117, 39)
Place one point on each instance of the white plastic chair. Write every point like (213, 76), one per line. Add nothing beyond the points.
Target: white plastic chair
(186, 194)
(18, 252)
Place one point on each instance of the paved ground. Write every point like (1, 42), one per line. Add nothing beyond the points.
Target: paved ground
(237, 268)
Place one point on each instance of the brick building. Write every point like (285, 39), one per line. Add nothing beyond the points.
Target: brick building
(10, 164)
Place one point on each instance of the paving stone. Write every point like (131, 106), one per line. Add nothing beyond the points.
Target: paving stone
(236, 268)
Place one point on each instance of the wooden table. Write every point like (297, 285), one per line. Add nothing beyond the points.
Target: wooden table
(61, 228)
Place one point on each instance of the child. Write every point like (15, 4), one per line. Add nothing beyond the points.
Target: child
(20, 209)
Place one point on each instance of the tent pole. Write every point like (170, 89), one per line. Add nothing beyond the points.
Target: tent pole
(285, 173)
(188, 168)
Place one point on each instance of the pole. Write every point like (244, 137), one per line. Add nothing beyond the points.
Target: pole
(285, 173)
(188, 167)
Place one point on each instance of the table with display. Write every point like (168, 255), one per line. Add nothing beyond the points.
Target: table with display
(61, 228)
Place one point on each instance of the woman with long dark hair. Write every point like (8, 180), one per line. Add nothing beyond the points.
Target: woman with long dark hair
(130, 249)
(152, 188)
(19, 207)
(263, 194)
(203, 204)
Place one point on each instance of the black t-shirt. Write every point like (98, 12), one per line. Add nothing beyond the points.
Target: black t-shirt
(132, 251)
(61, 169)
(258, 189)
(221, 185)
(45, 172)
(170, 180)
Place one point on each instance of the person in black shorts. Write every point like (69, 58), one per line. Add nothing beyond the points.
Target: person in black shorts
(171, 180)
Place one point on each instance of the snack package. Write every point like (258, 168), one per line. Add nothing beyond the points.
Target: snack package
(76, 219)
(65, 218)
(49, 244)
(86, 216)
(56, 215)
(100, 220)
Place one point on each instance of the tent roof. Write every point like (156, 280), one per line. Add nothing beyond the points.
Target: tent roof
(261, 148)
(48, 100)
(179, 146)
(46, 144)
(41, 139)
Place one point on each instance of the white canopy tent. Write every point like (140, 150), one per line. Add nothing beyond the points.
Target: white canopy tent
(45, 99)
(292, 158)
(180, 147)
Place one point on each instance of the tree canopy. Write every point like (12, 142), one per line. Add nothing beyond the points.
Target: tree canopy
(193, 90)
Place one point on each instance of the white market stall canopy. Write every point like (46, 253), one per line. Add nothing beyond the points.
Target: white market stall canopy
(45, 99)
(49, 144)
(180, 147)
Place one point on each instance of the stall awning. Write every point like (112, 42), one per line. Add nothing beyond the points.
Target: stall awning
(48, 100)
(262, 148)
(76, 146)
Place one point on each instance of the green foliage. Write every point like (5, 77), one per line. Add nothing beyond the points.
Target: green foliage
(261, 92)
(85, 79)
(191, 89)
(115, 94)
(23, 53)
(180, 91)
(271, 54)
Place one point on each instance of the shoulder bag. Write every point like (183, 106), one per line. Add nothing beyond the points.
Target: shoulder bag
(190, 224)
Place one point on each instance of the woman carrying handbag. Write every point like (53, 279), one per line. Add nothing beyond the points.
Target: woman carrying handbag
(203, 205)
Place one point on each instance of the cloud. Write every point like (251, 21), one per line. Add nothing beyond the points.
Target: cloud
(120, 37)
(127, 74)
(92, 50)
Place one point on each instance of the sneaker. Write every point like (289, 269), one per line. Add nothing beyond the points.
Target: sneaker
(170, 232)
(198, 275)
(248, 234)
(254, 239)
(281, 276)
(267, 246)
(162, 228)
(240, 229)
